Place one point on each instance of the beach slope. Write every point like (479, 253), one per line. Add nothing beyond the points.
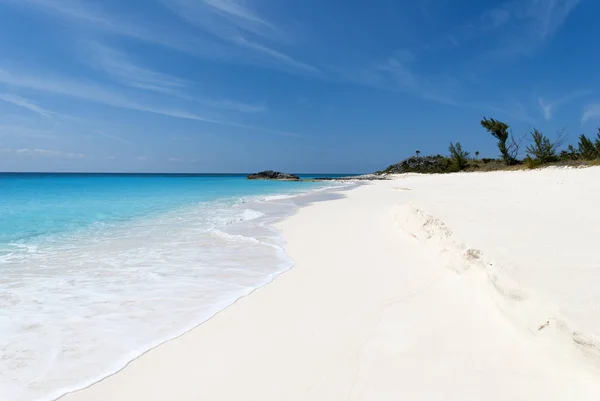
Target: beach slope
(388, 302)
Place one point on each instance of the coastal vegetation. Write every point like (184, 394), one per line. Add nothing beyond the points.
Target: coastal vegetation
(500, 131)
(540, 151)
(459, 158)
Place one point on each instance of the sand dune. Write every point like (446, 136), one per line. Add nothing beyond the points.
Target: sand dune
(457, 287)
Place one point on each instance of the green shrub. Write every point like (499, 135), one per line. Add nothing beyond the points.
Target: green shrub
(587, 148)
(542, 150)
(570, 154)
(532, 163)
(458, 156)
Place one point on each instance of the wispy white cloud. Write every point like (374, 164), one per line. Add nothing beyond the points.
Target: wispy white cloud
(90, 92)
(223, 23)
(513, 28)
(128, 73)
(100, 94)
(20, 131)
(177, 160)
(46, 153)
(516, 111)
(549, 107)
(89, 15)
(526, 25)
(113, 137)
(125, 71)
(271, 56)
(25, 103)
(495, 18)
(590, 112)
(516, 27)
(397, 75)
(232, 105)
(236, 23)
(550, 15)
(141, 158)
(224, 18)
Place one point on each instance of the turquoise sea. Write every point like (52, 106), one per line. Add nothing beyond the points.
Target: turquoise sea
(95, 269)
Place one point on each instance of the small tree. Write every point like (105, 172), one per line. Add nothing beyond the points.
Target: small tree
(543, 150)
(508, 150)
(418, 153)
(458, 156)
(569, 154)
(477, 155)
(586, 148)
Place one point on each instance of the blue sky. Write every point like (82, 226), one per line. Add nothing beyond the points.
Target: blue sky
(295, 85)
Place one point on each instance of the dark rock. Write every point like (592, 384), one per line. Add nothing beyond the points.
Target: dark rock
(273, 175)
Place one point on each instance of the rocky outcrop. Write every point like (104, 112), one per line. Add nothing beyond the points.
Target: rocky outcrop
(416, 164)
(273, 175)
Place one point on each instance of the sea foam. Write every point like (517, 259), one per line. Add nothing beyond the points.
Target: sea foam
(79, 306)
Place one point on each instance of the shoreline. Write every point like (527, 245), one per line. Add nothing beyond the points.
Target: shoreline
(235, 228)
(285, 204)
(313, 319)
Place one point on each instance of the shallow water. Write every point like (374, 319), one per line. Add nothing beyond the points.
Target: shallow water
(96, 270)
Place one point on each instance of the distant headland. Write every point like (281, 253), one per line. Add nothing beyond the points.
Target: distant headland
(279, 176)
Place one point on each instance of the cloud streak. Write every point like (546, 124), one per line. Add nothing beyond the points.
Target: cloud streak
(397, 75)
(518, 112)
(276, 58)
(124, 70)
(25, 132)
(235, 23)
(550, 15)
(590, 112)
(548, 108)
(181, 161)
(223, 26)
(224, 18)
(113, 137)
(88, 15)
(45, 153)
(514, 28)
(100, 94)
(526, 25)
(90, 92)
(25, 103)
(128, 73)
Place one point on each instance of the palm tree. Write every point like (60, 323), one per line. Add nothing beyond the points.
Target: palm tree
(477, 155)
(418, 153)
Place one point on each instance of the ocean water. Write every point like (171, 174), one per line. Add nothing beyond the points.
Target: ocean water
(97, 269)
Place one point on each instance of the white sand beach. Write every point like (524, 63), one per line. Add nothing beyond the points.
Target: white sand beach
(474, 286)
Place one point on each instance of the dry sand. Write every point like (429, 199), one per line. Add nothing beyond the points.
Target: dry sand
(457, 287)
